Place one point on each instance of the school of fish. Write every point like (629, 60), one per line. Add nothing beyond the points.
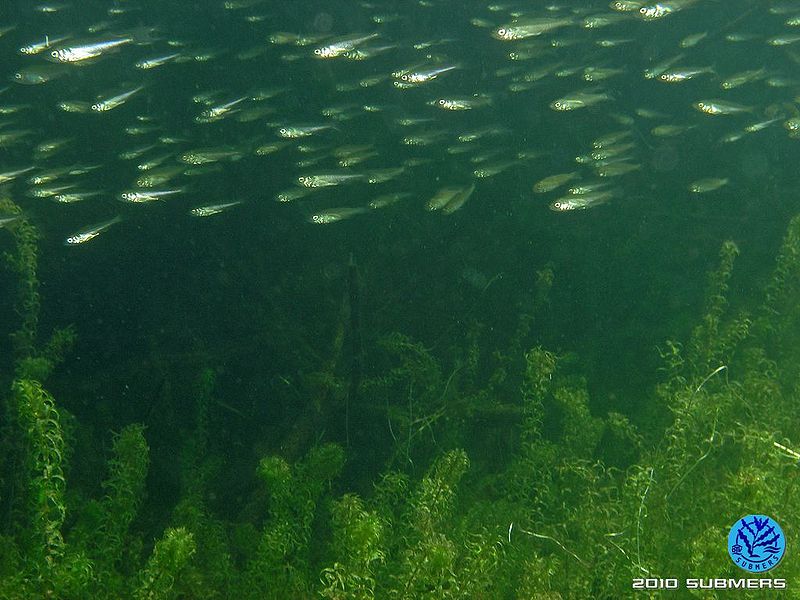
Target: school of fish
(117, 105)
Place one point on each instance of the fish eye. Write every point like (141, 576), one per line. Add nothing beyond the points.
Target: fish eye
(442, 101)
(502, 31)
(317, 51)
(283, 130)
(17, 75)
(643, 10)
(404, 77)
(54, 53)
(95, 107)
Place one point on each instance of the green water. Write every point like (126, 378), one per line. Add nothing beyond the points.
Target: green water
(278, 365)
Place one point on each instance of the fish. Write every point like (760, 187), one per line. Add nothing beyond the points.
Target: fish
(38, 74)
(690, 41)
(343, 46)
(662, 9)
(626, 5)
(159, 177)
(530, 27)
(760, 125)
(37, 47)
(383, 175)
(708, 184)
(328, 179)
(495, 168)
(385, 107)
(548, 184)
(204, 156)
(49, 148)
(84, 52)
(157, 61)
(417, 76)
(656, 71)
(212, 209)
(220, 111)
(300, 131)
(334, 215)
(670, 130)
(453, 196)
(388, 199)
(113, 102)
(139, 196)
(720, 107)
(579, 99)
(292, 194)
(75, 106)
(458, 201)
(580, 202)
(617, 168)
(71, 197)
(463, 103)
(7, 176)
(684, 74)
(49, 191)
(91, 232)
(743, 77)
(784, 40)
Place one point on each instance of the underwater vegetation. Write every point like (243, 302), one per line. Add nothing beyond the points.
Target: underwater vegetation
(502, 480)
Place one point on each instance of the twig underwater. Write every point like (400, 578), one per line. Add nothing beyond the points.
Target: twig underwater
(356, 341)
(542, 536)
(710, 375)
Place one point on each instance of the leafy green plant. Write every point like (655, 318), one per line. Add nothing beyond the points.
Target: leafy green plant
(572, 503)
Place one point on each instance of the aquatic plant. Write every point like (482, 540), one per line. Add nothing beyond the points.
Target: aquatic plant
(170, 555)
(39, 420)
(104, 530)
(504, 478)
(23, 262)
(32, 359)
(41, 559)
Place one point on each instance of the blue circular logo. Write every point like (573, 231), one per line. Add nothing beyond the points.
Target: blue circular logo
(756, 543)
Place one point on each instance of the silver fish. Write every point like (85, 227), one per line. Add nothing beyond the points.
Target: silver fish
(37, 47)
(580, 202)
(342, 46)
(38, 74)
(83, 52)
(212, 209)
(91, 232)
(333, 215)
(114, 101)
(138, 196)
